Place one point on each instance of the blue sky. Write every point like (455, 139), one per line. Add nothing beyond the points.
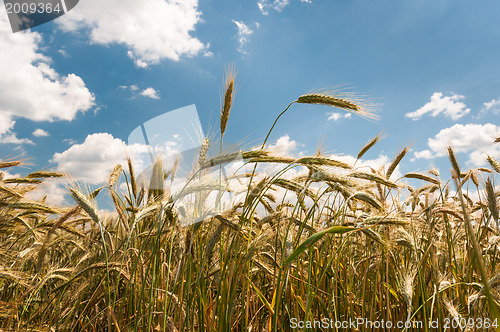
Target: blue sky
(72, 90)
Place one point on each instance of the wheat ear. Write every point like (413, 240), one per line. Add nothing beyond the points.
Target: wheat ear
(342, 103)
(228, 98)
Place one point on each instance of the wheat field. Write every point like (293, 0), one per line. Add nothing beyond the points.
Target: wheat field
(333, 242)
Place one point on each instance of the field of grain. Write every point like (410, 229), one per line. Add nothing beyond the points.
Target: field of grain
(344, 243)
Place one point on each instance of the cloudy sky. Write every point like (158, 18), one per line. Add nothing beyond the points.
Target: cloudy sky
(72, 90)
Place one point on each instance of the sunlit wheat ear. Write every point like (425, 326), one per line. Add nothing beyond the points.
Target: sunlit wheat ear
(492, 199)
(395, 163)
(7, 164)
(114, 175)
(133, 182)
(494, 164)
(202, 155)
(40, 175)
(453, 160)
(434, 172)
(328, 99)
(9, 192)
(85, 203)
(422, 177)
(405, 284)
(228, 98)
(452, 310)
(369, 145)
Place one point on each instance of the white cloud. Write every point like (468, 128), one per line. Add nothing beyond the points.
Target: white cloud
(136, 91)
(278, 5)
(474, 139)
(6, 134)
(6, 123)
(93, 160)
(70, 141)
(424, 154)
(11, 138)
(152, 30)
(63, 52)
(54, 191)
(150, 93)
(40, 133)
(284, 146)
(243, 35)
(30, 88)
(450, 106)
(337, 116)
(493, 105)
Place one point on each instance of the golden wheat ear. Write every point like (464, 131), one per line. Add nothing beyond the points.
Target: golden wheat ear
(328, 99)
(229, 89)
(494, 164)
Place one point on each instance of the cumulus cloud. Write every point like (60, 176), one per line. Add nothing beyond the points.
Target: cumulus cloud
(93, 160)
(30, 88)
(337, 116)
(474, 139)
(284, 146)
(243, 35)
(6, 134)
(493, 106)
(53, 191)
(152, 30)
(40, 133)
(150, 93)
(450, 106)
(277, 5)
